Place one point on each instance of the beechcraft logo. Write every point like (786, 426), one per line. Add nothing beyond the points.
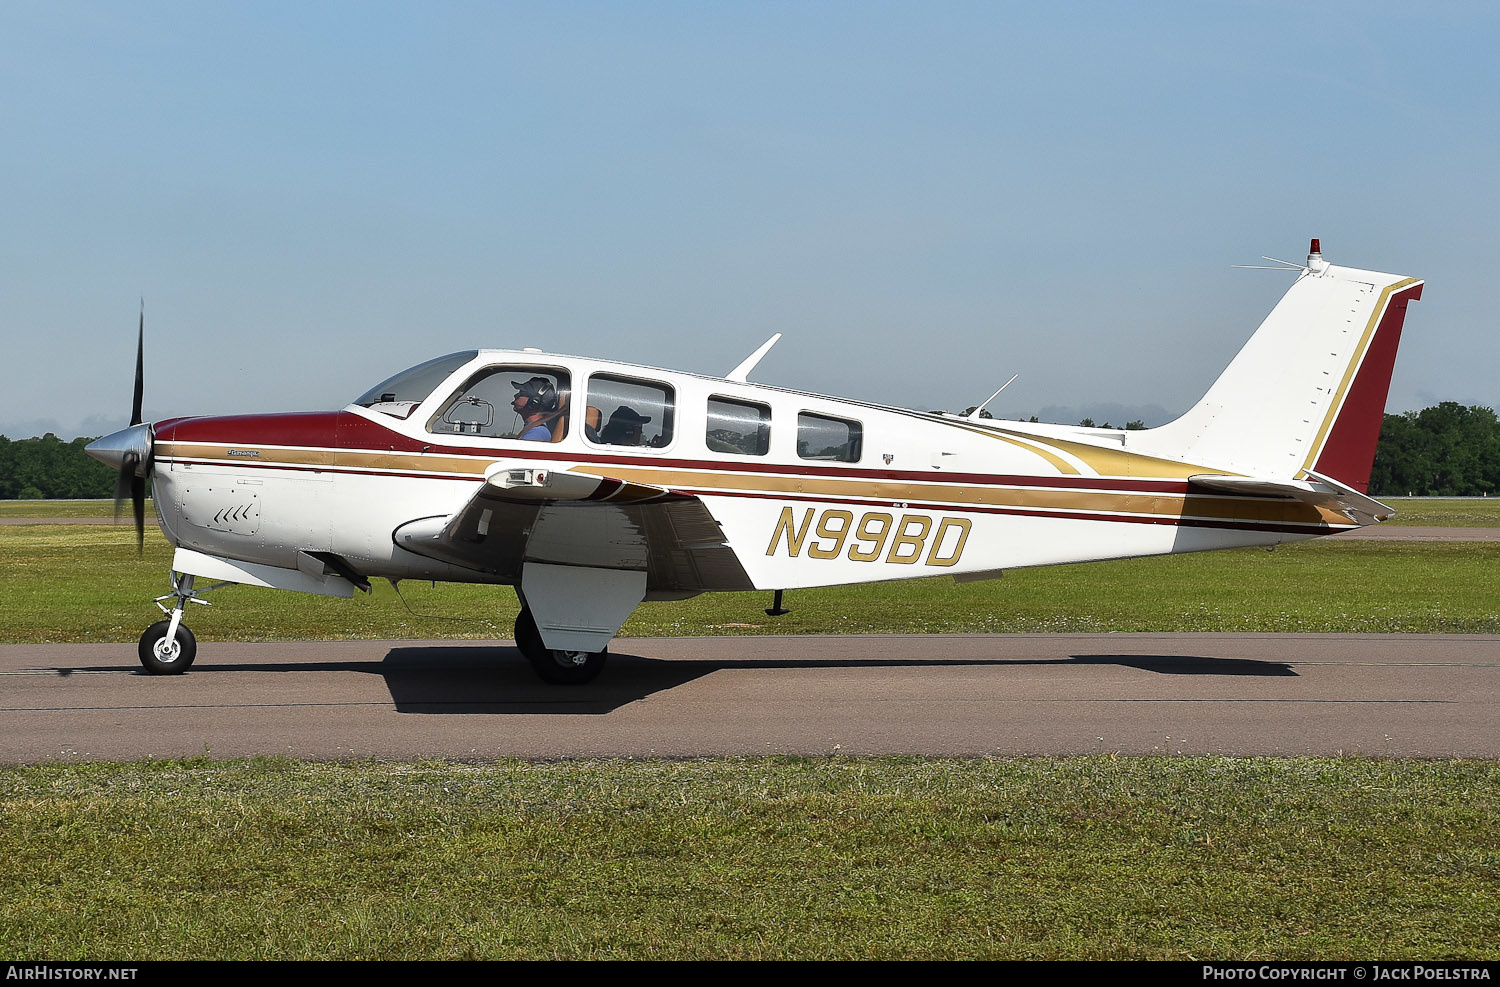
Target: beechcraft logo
(888, 457)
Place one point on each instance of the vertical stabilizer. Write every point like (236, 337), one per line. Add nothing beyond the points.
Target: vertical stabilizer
(1306, 395)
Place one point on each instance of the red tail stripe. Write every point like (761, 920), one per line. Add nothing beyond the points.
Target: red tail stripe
(1349, 451)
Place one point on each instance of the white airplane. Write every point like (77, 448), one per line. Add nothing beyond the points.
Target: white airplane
(591, 485)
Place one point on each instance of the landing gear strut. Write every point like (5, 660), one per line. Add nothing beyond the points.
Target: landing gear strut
(168, 647)
(556, 667)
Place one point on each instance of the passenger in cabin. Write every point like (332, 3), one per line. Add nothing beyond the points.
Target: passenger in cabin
(624, 428)
(536, 403)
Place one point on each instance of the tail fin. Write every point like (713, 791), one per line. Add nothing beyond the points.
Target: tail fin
(1305, 397)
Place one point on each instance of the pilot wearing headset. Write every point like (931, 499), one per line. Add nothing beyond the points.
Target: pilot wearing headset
(535, 400)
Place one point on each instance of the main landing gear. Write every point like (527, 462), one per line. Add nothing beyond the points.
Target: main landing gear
(168, 647)
(556, 667)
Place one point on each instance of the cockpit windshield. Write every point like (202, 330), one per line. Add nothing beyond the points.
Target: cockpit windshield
(400, 394)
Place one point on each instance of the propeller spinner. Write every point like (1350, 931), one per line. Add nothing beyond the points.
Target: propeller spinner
(130, 450)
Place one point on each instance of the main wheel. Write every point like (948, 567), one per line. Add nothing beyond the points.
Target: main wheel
(163, 657)
(553, 666)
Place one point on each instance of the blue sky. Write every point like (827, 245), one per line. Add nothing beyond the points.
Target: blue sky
(925, 198)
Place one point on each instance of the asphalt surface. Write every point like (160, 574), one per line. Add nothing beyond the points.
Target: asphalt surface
(1426, 696)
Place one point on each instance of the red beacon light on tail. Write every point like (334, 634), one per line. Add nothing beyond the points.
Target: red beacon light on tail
(1315, 261)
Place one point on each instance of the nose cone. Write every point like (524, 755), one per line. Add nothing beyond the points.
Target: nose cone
(128, 446)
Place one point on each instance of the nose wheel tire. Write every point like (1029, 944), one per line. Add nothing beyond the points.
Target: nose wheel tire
(161, 656)
(551, 665)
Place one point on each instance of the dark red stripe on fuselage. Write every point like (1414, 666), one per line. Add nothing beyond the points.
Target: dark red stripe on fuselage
(296, 428)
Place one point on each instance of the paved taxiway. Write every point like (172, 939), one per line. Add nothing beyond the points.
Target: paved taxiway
(1401, 695)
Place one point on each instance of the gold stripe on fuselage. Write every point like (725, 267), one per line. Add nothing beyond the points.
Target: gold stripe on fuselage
(1103, 461)
(1012, 497)
(1119, 462)
(305, 457)
(1021, 498)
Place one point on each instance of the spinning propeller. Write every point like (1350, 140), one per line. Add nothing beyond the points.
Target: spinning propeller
(130, 449)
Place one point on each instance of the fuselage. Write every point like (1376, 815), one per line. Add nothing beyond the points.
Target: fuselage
(806, 489)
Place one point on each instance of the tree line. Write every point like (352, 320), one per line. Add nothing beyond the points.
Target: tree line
(48, 467)
(1448, 450)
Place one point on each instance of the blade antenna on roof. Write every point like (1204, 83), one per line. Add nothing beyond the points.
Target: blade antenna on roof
(741, 372)
(975, 413)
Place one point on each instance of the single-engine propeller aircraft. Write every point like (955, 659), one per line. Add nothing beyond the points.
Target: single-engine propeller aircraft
(591, 485)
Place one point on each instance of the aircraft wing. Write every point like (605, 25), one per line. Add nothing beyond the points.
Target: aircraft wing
(1320, 492)
(584, 518)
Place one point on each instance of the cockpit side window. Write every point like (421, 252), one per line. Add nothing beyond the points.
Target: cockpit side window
(509, 402)
(626, 411)
(742, 428)
(826, 437)
(399, 396)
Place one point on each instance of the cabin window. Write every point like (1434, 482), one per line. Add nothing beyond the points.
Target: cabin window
(511, 402)
(742, 428)
(399, 395)
(824, 437)
(625, 411)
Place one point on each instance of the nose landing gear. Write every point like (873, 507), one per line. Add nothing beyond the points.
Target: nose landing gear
(168, 647)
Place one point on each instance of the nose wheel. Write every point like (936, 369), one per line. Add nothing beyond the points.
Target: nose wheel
(552, 665)
(165, 650)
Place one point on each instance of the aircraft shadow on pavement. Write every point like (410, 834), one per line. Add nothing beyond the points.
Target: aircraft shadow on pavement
(436, 679)
(439, 679)
(1191, 664)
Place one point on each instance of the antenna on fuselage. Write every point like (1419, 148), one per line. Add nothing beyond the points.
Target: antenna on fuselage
(975, 413)
(748, 364)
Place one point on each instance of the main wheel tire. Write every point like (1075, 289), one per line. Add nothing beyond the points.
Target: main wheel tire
(552, 666)
(163, 657)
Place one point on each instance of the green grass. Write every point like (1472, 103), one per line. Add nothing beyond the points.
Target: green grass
(1481, 512)
(68, 508)
(752, 859)
(69, 583)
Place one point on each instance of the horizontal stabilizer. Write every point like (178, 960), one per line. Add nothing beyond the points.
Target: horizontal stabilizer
(1320, 492)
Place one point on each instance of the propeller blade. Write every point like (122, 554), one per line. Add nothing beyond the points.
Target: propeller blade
(140, 369)
(129, 449)
(138, 499)
(122, 483)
